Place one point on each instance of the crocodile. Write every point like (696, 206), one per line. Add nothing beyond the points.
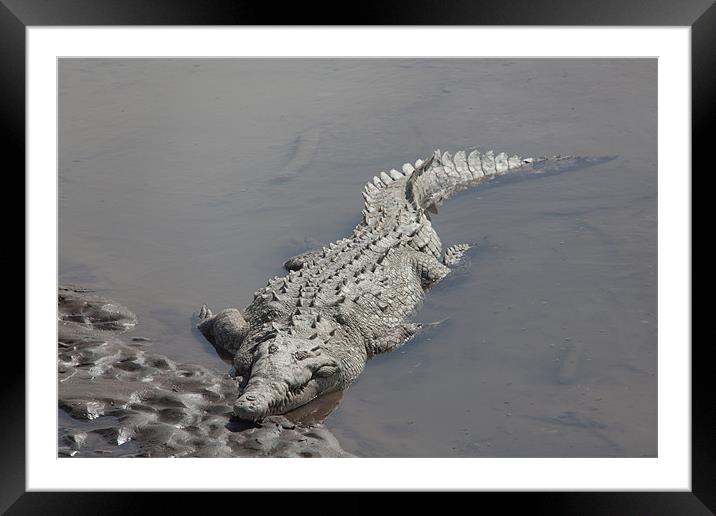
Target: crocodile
(312, 331)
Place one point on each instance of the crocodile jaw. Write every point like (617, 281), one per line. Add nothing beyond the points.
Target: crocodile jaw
(262, 399)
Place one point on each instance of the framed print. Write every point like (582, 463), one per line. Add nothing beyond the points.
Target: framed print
(506, 306)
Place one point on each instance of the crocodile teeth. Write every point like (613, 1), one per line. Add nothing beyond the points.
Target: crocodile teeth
(395, 174)
(377, 182)
(408, 169)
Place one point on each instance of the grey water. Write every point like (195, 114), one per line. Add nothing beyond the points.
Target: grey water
(190, 181)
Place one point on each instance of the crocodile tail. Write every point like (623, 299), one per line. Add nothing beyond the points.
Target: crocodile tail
(443, 174)
(385, 194)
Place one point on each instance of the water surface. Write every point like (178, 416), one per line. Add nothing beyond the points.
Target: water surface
(184, 182)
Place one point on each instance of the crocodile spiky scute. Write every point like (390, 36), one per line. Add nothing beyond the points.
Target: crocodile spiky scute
(312, 330)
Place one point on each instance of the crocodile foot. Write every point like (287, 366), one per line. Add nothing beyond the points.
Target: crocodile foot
(454, 254)
(203, 314)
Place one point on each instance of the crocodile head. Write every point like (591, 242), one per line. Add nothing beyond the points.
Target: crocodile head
(286, 372)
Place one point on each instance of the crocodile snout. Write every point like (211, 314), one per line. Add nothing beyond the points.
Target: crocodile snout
(250, 407)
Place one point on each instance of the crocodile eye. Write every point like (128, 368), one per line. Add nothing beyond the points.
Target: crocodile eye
(273, 348)
(325, 371)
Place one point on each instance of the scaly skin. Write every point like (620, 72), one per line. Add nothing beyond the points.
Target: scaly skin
(311, 332)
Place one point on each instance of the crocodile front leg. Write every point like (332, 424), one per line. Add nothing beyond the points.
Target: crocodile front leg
(225, 330)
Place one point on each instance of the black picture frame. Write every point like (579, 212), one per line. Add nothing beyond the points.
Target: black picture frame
(17, 15)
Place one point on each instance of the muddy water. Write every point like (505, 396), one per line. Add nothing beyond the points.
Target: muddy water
(190, 181)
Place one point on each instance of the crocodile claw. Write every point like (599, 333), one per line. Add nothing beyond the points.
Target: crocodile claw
(204, 313)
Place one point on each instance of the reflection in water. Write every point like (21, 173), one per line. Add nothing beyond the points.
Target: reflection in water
(316, 412)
